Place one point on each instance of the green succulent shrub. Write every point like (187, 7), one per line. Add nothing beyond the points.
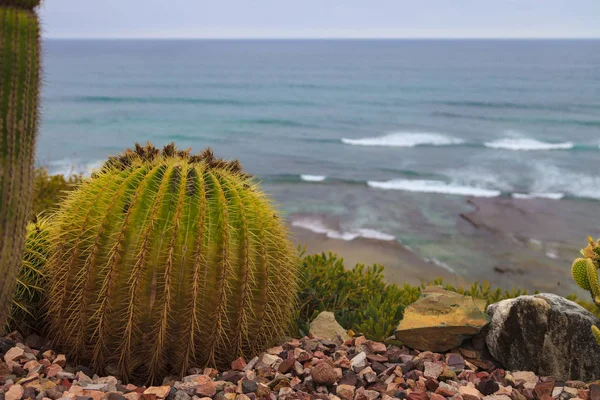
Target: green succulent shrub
(481, 291)
(585, 273)
(28, 299)
(49, 190)
(360, 298)
(165, 260)
(19, 104)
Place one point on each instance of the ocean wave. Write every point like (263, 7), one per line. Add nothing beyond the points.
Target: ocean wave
(552, 179)
(313, 178)
(405, 139)
(428, 186)
(517, 106)
(551, 196)
(277, 122)
(317, 226)
(441, 264)
(526, 144)
(158, 100)
(183, 100)
(512, 120)
(73, 166)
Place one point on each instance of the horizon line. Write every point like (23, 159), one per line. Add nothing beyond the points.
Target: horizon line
(320, 38)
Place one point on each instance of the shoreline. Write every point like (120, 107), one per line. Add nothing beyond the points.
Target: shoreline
(529, 243)
(402, 265)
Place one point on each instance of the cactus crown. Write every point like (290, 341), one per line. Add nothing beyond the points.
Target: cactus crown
(164, 261)
(150, 154)
(26, 4)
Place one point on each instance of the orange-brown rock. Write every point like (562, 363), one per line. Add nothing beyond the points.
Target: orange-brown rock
(440, 320)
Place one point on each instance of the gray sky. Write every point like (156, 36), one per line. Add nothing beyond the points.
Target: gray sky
(320, 18)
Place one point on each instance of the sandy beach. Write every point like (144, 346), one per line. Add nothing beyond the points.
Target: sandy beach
(531, 241)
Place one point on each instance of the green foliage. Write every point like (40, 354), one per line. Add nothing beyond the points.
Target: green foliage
(49, 190)
(591, 307)
(360, 298)
(27, 302)
(166, 260)
(19, 102)
(481, 291)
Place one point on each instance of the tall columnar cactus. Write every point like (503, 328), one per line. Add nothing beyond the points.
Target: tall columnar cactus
(19, 83)
(585, 274)
(166, 260)
(27, 304)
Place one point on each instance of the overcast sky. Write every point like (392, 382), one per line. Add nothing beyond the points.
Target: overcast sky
(321, 18)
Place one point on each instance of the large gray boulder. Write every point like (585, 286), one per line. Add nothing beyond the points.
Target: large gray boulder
(546, 334)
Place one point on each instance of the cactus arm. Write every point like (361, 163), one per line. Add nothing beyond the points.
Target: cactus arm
(19, 99)
(585, 274)
(596, 333)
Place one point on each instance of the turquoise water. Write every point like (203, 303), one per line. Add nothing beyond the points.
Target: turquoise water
(361, 130)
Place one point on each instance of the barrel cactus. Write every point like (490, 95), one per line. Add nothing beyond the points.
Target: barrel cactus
(27, 303)
(165, 260)
(585, 274)
(19, 99)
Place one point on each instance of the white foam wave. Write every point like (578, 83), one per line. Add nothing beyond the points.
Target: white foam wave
(405, 139)
(525, 144)
(441, 264)
(313, 178)
(552, 196)
(552, 179)
(428, 186)
(73, 166)
(317, 226)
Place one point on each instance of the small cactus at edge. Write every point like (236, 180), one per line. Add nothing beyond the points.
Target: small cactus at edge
(19, 101)
(164, 261)
(585, 275)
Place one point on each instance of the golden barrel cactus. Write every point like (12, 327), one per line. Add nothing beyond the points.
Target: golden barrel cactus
(28, 299)
(166, 260)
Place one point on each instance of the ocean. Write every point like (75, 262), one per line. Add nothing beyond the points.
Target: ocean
(375, 139)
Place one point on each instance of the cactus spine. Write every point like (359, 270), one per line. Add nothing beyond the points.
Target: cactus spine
(19, 95)
(166, 260)
(585, 274)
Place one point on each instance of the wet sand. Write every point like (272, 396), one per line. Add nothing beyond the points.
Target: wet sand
(401, 264)
(532, 243)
